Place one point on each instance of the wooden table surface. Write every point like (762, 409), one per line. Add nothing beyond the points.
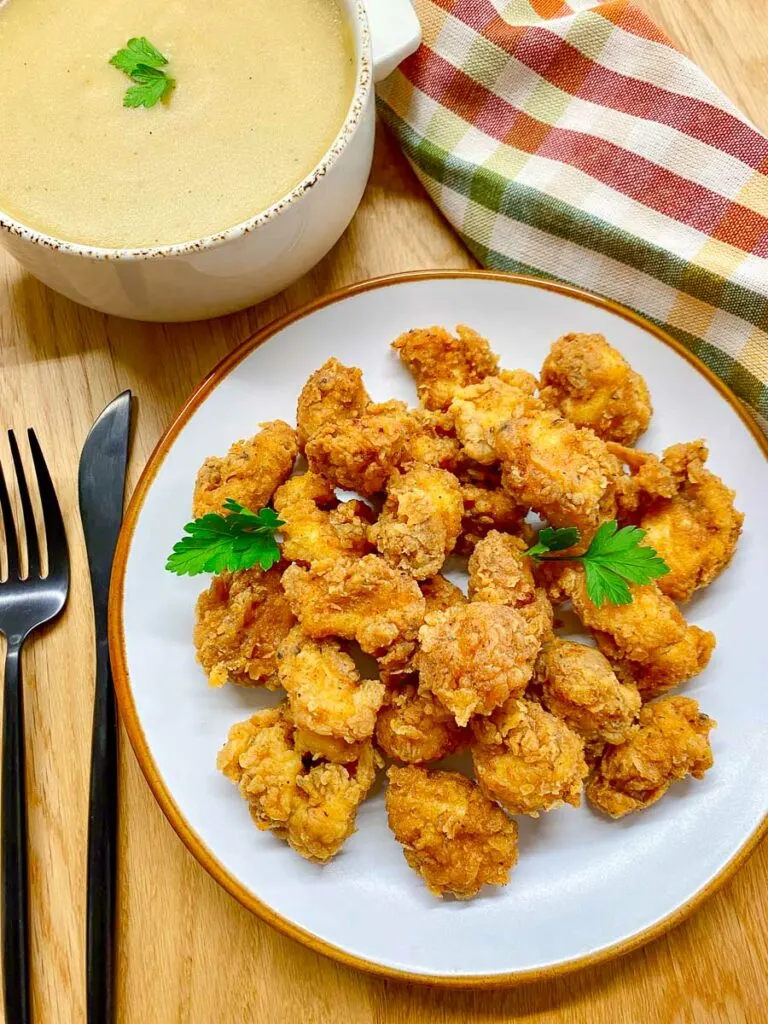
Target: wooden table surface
(187, 951)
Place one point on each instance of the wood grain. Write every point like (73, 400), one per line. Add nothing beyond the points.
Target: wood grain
(187, 951)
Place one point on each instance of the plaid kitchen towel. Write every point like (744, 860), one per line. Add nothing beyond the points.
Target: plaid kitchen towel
(575, 142)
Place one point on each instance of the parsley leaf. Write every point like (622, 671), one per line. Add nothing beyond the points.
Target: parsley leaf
(137, 51)
(151, 86)
(239, 539)
(551, 539)
(614, 559)
(141, 61)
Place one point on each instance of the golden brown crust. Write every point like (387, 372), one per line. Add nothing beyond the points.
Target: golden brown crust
(325, 692)
(473, 656)
(313, 806)
(672, 741)
(360, 453)
(420, 521)
(249, 473)
(594, 386)
(334, 392)
(313, 533)
(440, 362)
(564, 473)
(414, 727)
(527, 759)
(362, 599)
(670, 667)
(578, 685)
(480, 410)
(241, 619)
(452, 835)
(487, 509)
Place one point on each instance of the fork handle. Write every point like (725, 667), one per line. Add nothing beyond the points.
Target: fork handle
(102, 845)
(15, 882)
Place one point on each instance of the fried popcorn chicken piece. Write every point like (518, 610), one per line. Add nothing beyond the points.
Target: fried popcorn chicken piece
(241, 620)
(671, 743)
(452, 835)
(579, 686)
(312, 807)
(696, 530)
(362, 599)
(312, 533)
(359, 454)
(440, 594)
(474, 656)
(670, 667)
(637, 631)
(480, 410)
(420, 520)
(333, 393)
(528, 759)
(249, 473)
(325, 692)
(593, 385)
(487, 509)
(440, 362)
(433, 443)
(327, 748)
(500, 573)
(563, 472)
(414, 727)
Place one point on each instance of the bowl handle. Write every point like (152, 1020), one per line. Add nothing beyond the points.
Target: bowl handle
(395, 33)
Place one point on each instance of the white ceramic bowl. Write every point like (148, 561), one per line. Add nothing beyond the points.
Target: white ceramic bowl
(586, 888)
(253, 260)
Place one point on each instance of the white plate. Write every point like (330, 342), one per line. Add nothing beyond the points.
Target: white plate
(586, 887)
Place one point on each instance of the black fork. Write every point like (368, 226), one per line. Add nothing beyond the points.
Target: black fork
(25, 605)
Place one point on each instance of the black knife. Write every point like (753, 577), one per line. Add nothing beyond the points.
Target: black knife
(102, 488)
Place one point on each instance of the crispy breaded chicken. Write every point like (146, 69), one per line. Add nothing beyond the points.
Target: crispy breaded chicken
(527, 759)
(313, 806)
(249, 473)
(440, 362)
(241, 619)
(440, 594)
(420, 521)
(500, 573)
(473, 656)
(579, 686)
(696, 530)
(487, 509)
(563, 472)
(433, 443)
(672, 741)
(315, 526)
(414, 727)
(361, 599)
(325, 692)
(670, 667)
(452, 835)
(333, 393)
(480, 410)
(359, 453)
(648, 641)
(593, 385)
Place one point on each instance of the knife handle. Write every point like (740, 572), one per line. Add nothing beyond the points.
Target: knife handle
(102, 845)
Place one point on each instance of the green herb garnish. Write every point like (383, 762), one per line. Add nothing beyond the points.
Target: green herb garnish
(217, 543)
(142, 61)
(614, 559)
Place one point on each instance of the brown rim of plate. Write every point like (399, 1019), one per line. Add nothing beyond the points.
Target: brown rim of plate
(131, 719)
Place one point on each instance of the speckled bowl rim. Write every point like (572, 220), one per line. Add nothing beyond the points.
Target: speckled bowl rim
(357, 12)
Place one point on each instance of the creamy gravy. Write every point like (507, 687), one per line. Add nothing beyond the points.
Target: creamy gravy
(262, 89)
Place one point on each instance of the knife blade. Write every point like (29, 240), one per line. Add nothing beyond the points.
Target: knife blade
(101, 486)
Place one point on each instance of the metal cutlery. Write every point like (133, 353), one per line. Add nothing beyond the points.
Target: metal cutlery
(25, 605)
(101, 490)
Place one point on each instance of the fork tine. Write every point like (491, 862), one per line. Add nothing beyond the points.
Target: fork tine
(56, 538)
(33, 549)
(11, 541)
